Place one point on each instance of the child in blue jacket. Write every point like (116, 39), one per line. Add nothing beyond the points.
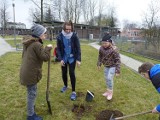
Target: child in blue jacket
(152, 73)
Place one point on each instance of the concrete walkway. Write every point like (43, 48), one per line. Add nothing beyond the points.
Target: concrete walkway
(130, 62)
(5, 47)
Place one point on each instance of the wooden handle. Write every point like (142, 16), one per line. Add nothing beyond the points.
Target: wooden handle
(119, 118)
(47, 90)
(48, 75)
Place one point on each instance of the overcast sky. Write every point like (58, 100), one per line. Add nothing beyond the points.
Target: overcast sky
(131, 10)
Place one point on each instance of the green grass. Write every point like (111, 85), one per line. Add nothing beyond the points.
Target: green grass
(132, 93)
(19, 41)
(12, 36)
(12, 42)
(124, 45)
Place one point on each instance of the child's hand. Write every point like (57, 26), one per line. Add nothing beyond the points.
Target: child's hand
(117, 74)
(98, 67)
(155, 110)
(114, 47)
(50, 45)
(78, 63)
(62, 63)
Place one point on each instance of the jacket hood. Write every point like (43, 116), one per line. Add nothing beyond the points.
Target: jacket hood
(27, 40)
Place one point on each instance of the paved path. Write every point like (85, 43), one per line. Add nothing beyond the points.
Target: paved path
(5, 47)
(130, 62)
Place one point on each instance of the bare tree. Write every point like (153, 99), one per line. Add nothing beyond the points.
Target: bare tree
(92, 7)
(35, 15)
(106, 16)
(66, 10)
(72, 10)
(85, 11)
(48, 16)
(4, 14)
(151, 16)
(40, 7)
(129, 25)
(58, 8)
(101, 10)
(112, 16)
(78, 10)
(151, 25)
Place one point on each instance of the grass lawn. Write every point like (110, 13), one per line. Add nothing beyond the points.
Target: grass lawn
(12, 42)
(132, 93)
(12, 36)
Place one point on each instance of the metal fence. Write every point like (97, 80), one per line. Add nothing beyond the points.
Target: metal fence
(140, 47)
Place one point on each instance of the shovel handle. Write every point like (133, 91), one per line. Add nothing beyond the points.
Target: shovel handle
(127, 116)
(48, 73)
(47, 90)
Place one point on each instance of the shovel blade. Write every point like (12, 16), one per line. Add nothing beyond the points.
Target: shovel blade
(111, 118)
(48, 102)
(49, 107)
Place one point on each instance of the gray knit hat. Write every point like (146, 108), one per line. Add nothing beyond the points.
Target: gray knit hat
(38, 30)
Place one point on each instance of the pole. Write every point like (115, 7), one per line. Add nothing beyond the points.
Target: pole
(14, 27)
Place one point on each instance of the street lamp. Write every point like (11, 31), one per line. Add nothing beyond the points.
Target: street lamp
(14, 27)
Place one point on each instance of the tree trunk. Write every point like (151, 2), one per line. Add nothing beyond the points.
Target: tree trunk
(41, 11)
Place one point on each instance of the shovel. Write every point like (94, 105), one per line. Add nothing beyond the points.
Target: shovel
(127, 116)
(47, 90)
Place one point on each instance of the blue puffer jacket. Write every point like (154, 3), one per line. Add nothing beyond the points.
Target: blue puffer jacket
(75, 45)
(154, 74)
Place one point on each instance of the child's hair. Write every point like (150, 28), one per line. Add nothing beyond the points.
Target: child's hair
(145, 67)
(69, 23)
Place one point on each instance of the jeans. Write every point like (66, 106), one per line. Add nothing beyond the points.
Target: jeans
(109, 73)
(31, 96)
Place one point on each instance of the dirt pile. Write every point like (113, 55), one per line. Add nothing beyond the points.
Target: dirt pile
(106, 114)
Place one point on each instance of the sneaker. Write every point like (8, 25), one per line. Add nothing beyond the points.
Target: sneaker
(105, 94)
(73, 96)
(34, 117)
(64, 89)
(110, 95)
